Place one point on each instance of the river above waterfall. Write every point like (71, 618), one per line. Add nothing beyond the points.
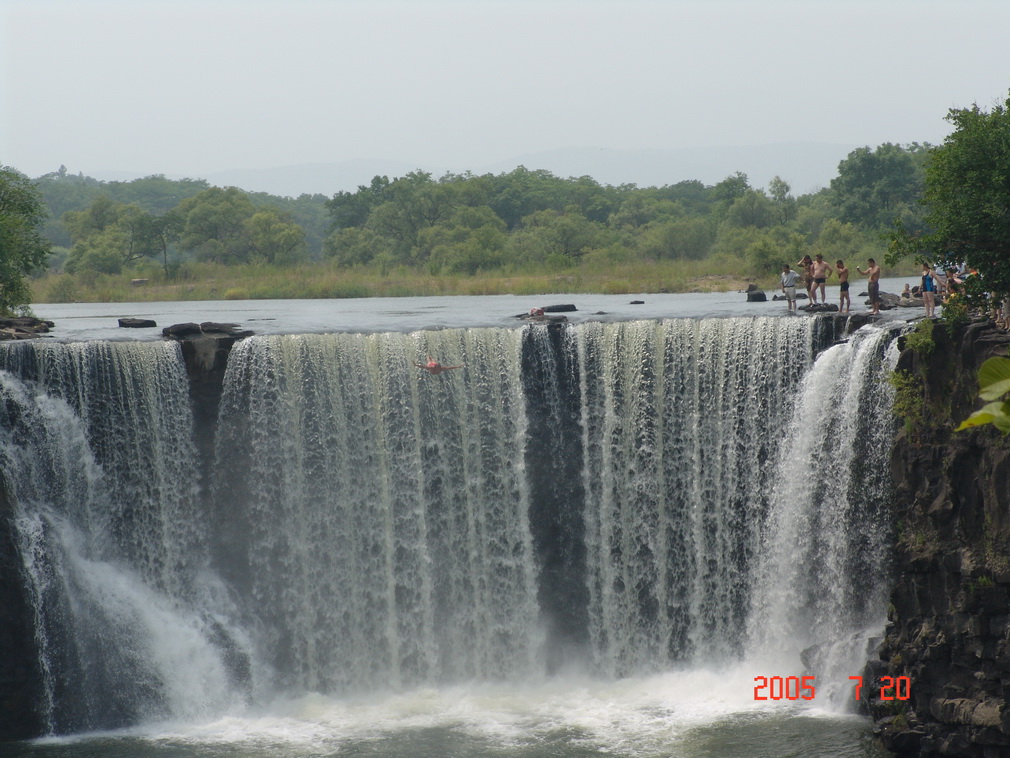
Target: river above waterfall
(83, 321)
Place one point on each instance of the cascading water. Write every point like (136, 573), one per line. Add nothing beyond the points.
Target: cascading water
(98, 456)
(385, 539)
(680, 420)
(612, 496)
(821, 576)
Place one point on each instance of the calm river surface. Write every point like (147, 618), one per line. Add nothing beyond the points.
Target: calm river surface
(83, 321)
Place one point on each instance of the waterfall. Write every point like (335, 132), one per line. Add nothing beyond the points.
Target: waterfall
(387, 540)
(679, 421)
(625, 498)
(96, 442)
(821, 579)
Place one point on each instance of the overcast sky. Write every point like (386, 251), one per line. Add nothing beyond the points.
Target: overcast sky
(175, 87)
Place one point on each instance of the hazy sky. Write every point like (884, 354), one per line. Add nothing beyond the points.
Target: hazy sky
(175, 87)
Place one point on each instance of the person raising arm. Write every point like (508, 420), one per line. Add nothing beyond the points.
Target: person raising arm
(873, 285)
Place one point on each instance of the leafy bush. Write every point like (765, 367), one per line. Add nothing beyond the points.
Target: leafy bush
(994, 382)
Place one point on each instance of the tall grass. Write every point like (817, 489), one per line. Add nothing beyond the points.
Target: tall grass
(209, 281)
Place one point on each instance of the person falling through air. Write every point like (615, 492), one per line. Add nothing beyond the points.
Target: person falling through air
(434, 368)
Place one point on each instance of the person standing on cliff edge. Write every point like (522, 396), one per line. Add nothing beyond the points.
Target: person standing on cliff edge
(844, 303)
(821, 271)
(788, 283)
(873, 286)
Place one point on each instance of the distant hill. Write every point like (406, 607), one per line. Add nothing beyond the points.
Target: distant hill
(807, 167)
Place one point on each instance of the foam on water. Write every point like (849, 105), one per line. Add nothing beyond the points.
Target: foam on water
(636, 715)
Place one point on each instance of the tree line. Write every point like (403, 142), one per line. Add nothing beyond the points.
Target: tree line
(464, 224)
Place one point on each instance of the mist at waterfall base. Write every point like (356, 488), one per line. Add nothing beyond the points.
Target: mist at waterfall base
(587, 541)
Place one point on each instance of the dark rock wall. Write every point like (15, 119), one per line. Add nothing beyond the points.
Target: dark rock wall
(948, 626)
(19, 672)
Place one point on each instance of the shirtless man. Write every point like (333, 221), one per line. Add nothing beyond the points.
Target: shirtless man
(844, 302)
(821, 271)
(873, 287)
(435, 368)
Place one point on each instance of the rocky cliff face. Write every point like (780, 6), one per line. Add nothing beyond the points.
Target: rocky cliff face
(948, 635)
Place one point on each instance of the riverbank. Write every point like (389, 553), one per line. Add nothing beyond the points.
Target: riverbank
(323, 280)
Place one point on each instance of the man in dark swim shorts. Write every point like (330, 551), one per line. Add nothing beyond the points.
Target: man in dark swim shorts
(844, 303)
(821, 271)
(873, 286)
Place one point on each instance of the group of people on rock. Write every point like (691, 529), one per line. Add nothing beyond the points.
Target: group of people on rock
(815, 273)
(935, 286)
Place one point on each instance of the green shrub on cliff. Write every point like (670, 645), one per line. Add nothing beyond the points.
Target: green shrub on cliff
(920, 339)
(994, 380)
(907, 404)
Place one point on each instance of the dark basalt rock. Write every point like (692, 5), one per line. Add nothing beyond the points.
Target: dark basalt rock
(756, 296)
(178, 331)
(23, 327)
(137, 323)
(948, 625)
(207, 328)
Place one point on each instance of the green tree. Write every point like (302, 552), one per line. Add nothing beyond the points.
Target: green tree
(214, 224)
(22, 247)
(967, 197)
(752, 208)
(413, 203)
(874, 187)
(840, 241)
(157, 233)
(273, 239)
(349, 209)
(103, 251)
(99, 215)
(784, 204)
(641, 208)
(567, 235)
(108, 236)
(472, 240)
(695, 197)
(689, 238)
(522, 192)
(729, 189)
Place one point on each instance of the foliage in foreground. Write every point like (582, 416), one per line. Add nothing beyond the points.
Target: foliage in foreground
(994, 383)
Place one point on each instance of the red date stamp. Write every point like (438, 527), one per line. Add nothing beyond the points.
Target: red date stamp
(804, 687)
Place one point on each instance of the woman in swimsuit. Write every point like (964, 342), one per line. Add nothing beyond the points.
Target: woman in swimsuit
(807, 264)
(928, 290)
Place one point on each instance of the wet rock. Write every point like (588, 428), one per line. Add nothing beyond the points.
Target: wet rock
(23, 327)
